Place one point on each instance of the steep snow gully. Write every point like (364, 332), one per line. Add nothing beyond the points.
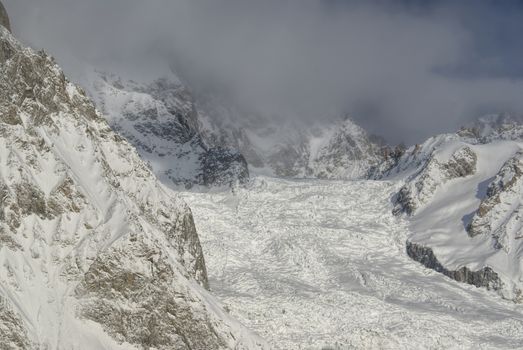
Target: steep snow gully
(318, 264)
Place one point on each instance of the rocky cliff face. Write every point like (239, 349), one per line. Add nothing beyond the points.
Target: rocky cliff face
(94, 252)
(160, 119)
(485, 277)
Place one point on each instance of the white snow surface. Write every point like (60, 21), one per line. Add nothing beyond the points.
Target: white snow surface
(441, 222)
(444, 207)
(316, 264)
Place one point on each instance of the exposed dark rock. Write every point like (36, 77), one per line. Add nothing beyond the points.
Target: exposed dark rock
(403, 202)
(486, 277)
(224, 167)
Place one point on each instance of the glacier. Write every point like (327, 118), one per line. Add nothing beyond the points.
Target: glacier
(302, 236)
(317, 264)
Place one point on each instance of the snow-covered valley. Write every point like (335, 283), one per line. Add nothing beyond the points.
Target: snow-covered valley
(312, 264)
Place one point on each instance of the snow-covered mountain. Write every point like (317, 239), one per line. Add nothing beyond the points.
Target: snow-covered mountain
(159, 117)
(97, 253)
(94, 252)
(339, 149)
(463, 194)
(494, 127)
(198, 139)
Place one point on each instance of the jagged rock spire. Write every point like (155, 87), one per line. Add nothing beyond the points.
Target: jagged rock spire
(4, 18)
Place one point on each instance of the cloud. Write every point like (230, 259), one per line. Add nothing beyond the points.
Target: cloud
(403, 69)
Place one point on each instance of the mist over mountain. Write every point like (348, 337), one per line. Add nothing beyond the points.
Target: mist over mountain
(210, 174)
(403, 69)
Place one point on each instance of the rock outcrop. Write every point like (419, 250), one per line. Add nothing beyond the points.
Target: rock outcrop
(435, 173)
(485, 277)
(500, 212)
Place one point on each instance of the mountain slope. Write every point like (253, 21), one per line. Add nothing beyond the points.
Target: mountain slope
(160, 119)
(463, 196)
(94, 252)
(191, 137)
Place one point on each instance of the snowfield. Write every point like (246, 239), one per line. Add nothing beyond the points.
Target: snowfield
(322, 265)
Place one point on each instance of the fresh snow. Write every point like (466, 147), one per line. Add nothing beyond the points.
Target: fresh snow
(317, 264)
(441, 223)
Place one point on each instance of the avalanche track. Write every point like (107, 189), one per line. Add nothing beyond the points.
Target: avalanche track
(322, 265)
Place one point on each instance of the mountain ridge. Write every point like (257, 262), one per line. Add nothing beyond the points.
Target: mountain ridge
(462, 195)
(185, 128)
(95, 252)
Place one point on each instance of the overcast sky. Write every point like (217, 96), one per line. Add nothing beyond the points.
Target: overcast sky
(404, 69)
